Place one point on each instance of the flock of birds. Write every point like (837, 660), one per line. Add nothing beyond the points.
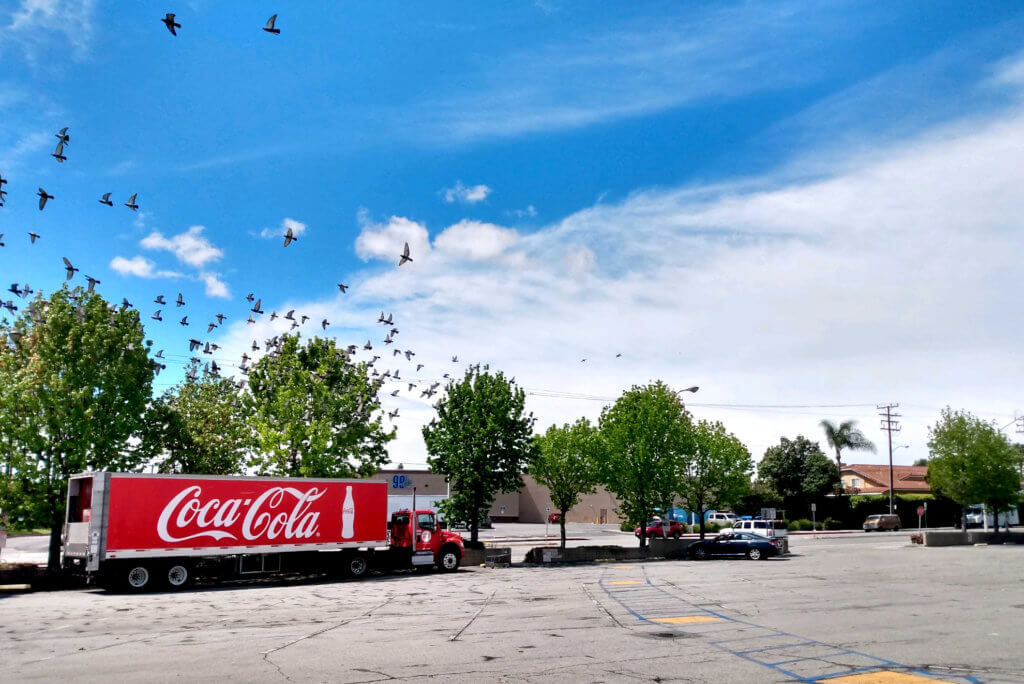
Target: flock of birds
(199, 348)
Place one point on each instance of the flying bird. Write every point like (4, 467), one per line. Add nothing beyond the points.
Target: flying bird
(183, 321)
(43, 196)
(62, 135)
(304, 319)
(220, 318)
(455, 359)
(1, 239)
(131, 202)
(181, 300)
(3, 181)
(618, 356)
(33, 236)
(58, 153)
(289, 237)
(193, 344)
(404, 256)
(249, 297)
(159, 354)
(92, 283)
(256, 307)
(395, 393)
(210, 327)
(324, 324)
(156, 316)
(290, 316)
(269, 28)
(273, 315)
(160, 300)
(71, 269)
(106, 199)
(367, 346)
(251, 320)
(341, 286)
(419, 366)
(171, 24)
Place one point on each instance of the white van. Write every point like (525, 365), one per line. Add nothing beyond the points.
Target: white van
(979, 516)
(765, 528)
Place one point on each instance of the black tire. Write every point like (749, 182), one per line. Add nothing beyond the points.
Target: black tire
(177, 575)
(699, 553)
(896, 529)
(754, 553)
(356, 565)
(449, 559)
(137, 577)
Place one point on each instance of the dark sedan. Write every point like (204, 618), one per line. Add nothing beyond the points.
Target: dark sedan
(753, 546)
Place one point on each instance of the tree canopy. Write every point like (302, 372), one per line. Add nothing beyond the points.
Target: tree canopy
(566, 463)
(481, 440)
(647, 434)
(717, 472)
(199, 426)
(845, 435)
(314, 413)
(972, 462)
(799, 471)
(75, 378)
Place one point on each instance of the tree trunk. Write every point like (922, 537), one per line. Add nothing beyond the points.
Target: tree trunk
(963, 518)
(53, 562)
(474, 526)
(839, 467)
(700, 513)
(561, 523)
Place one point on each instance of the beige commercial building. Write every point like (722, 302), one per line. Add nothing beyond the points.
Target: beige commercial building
(531, 503)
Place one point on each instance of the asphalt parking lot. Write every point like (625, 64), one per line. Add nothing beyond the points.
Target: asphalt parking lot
(846, 608)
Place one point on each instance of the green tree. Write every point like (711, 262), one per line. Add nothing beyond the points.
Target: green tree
(566, 463)
(717, 473)
(648, 434)
(845, 435)
(481, 440)
(313, 413)
(799, 471)
(199, 426)
(972, 462)
(921, 462)
(75, 377)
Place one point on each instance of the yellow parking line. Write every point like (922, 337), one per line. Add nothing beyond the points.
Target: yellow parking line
(687, 619)
(622, 582)
(884, 677)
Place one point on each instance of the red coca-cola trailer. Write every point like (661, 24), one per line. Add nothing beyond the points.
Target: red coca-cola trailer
(138, 532)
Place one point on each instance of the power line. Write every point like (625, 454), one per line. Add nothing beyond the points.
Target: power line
(890, 426)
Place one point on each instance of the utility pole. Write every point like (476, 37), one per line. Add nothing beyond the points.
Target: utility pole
(889, 425)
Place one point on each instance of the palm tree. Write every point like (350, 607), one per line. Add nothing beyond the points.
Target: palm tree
(845, 436)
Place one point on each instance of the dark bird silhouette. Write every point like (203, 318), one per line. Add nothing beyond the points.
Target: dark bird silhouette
(324, 324)
(183, 321)
(342, 287)
(181, 300)
(33, 237)
(3, 181)
(411, 385)
(220, 318)
(106, 199)
(304, 319)
(249, 297)
(92, 283)
(367, 346)
(156, 316)
(43, 196)
(62, 135)
(131, 202)
(256, 307)
(455, 359)
(14, 289)
(255, 347)
(273, 315)
(194, 344)
(409, 354)
(210, 327)
(1, 239)
(160, 300)
(404, 256)
(419, 366)
(251, 320)
(159, 354)
(269, 28)
(171, 24)
(618, 356)
(70, 269)
(58, 153)
(289, 237)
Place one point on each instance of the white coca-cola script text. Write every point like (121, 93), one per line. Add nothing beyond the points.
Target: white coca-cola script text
(276, 512)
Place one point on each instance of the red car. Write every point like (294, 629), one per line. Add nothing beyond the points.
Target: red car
(662, 528)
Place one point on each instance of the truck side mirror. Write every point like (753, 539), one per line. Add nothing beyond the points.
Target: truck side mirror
(442, 525)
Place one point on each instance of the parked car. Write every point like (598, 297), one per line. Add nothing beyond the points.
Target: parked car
(662, 528)
(720, 518)
(753, 546)
(765, 528)
(886, 521)
(485, 523)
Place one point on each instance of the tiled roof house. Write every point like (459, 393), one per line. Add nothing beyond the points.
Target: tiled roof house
(874, 479)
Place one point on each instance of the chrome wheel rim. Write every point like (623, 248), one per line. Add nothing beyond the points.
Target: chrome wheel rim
(450, 561)
(177, 575)
(138, 577)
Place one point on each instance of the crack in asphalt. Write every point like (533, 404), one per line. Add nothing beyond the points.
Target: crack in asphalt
(454, 637)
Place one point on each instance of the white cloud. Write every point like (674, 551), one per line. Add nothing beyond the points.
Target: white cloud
(529, 212)
(385, 241)
(580, 260)
(475, 240)
(189, 247)
(215, 287)
(35, 26)
(140, 267)
(298, 228)
(466, 194)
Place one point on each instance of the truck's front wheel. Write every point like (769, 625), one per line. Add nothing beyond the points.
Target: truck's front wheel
(137, 578)
(449, 559)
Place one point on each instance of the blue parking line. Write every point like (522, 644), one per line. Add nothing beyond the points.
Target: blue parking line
(797, 660)
(882, 663)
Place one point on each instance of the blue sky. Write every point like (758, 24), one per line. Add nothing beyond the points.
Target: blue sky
(795, 203)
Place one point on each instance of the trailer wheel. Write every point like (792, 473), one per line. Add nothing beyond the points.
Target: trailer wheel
(137, 578)
(178, 576)
(356, 565)
(449, 559)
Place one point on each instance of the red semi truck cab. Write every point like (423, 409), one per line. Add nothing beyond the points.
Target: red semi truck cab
(141, 531)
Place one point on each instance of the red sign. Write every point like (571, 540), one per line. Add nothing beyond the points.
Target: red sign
(920, 511)
(148, 512)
